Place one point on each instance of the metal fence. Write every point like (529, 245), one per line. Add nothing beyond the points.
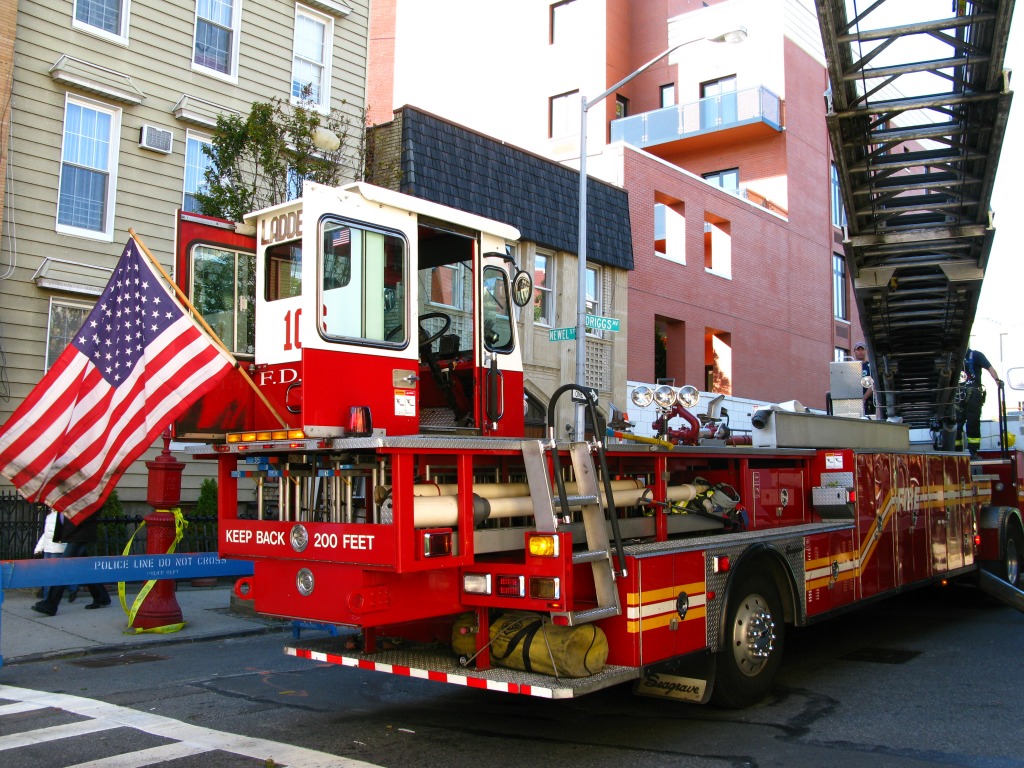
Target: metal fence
(21, 525)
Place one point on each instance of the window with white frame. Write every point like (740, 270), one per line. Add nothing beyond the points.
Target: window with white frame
(543, 283)
(88, 169)
(563, 114)
(838, 211)
(196, 163)
(311, 58)
(216, 40)
(106, 18)
(66, 318)
(594, 296)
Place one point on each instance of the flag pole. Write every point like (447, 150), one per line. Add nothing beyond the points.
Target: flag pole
(195, 313)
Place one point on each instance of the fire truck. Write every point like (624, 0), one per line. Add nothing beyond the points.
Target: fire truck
(377, 474)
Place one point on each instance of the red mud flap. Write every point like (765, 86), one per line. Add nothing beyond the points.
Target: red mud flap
(441, 665)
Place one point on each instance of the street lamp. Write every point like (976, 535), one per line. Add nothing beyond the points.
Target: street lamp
(737, 35)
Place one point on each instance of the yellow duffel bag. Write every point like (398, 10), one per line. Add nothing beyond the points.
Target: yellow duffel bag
(521, 640)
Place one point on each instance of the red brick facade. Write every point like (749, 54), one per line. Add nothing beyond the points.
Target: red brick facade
(775, 310)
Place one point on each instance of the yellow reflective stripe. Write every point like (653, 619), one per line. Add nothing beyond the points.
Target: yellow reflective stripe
(663, 620)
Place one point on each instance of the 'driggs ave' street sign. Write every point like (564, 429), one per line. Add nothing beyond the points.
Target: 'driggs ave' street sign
(593, 322)
(598, 323)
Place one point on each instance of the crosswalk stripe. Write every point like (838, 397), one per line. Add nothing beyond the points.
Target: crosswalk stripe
(107, 716)
(53, 733)
(18, 707)
(145, 756)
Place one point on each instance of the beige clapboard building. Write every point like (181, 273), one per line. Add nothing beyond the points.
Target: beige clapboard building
(110, 102)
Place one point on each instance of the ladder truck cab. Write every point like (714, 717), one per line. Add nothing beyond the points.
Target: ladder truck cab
(375, 313)
(401, 510)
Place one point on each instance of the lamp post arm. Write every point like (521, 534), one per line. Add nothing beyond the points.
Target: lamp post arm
(588, 104)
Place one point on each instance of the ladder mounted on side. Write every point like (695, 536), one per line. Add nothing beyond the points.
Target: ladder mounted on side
(597, 513)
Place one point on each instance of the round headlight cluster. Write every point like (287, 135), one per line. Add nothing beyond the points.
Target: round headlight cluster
(665, 396)
(688, 396)
(642, 396)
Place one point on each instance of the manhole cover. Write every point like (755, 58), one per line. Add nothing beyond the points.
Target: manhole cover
(882, 655)
(114, 661)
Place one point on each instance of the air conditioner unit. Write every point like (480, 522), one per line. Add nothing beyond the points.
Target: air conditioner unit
(156, 139)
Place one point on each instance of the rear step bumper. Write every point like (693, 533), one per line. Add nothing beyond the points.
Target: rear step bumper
(441, 665)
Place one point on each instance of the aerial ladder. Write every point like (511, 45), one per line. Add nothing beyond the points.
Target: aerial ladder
(917, 115)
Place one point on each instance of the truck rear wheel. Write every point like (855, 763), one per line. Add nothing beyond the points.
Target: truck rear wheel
(752, 647)
(1012, 556)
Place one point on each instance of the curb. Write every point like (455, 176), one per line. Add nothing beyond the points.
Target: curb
(98, 650)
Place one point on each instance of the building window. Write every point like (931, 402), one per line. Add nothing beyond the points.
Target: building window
(718, 102)
(668, 95)
(840, 307)
(447, 285)
(840, 355)
(196, 163)
(838, 211)
(563, 114)
(311, 59)
(107, 18)
(595, 304)
(564, 21)
(66, 318)
(621, 107)
(224, 293)
(88, 170)
(669, 228)
(717, 245)
(729, 179)
(543, 283)
(216, 41)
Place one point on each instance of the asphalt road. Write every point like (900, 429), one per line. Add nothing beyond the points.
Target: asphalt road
(927, 679)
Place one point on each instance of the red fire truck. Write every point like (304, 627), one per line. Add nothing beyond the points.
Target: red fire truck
(378, 477)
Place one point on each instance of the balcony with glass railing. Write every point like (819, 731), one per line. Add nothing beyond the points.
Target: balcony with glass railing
(748, 113)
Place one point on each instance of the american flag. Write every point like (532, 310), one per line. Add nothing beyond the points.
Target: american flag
(137, 362)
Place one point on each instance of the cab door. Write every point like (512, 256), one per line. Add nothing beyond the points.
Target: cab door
(500, 404)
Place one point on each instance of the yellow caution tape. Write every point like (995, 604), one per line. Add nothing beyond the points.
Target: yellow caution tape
(180, 523)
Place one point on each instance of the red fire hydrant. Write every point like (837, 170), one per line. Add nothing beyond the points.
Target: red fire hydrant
(160, 608)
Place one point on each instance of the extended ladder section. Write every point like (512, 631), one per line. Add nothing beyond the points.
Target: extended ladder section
(917, 114)
(596, 513)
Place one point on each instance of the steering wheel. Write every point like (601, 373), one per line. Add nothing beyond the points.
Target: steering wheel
(426, 338)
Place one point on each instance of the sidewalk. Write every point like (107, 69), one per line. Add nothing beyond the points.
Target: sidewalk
(29, 636)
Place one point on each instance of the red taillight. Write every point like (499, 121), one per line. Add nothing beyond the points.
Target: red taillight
(511, 586)
(852, 497)
(560, 620)
(720, 564)
(359, 422)
(977, 540)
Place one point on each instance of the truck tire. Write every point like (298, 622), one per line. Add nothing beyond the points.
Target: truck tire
(752, 645)
(1014, 551)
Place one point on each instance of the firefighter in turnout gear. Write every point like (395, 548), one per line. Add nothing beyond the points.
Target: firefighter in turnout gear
(971, 397)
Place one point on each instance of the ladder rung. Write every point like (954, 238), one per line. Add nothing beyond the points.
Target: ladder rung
(589, 556)
(593, 614)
